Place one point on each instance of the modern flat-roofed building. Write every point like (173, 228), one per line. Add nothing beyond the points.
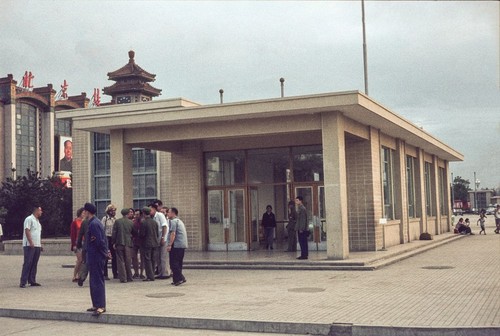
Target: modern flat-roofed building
(357, 165)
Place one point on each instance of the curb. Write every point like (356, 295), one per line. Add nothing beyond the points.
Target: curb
(334, 329)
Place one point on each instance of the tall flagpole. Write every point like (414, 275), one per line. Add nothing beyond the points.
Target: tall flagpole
(364, 46)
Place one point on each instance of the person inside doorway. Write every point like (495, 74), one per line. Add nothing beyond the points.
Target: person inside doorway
(302, 227)
(269, 224)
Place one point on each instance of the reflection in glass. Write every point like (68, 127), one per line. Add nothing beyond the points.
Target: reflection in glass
(215, 216)
(307, 164)
(268, 165)
(237, 215)
(225, 168)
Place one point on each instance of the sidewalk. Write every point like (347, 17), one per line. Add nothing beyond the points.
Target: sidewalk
(453, 288)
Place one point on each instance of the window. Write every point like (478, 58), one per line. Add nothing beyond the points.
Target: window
(428, 204)
(410, 185)
(269, 165)
(102, 177)
(442, 190)
(225, 168)
(143, 169)
(387, 182)
(144, 176)
(26, 138)
(62, 127)
(307, 164)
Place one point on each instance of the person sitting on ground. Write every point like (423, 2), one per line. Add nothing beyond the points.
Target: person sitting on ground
(462, 227)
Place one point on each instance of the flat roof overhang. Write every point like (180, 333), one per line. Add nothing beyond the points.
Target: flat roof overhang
(183, 113)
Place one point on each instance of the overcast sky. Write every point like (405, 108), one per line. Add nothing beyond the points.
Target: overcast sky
(435, 63)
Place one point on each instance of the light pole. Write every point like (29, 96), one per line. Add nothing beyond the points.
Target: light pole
(476, 186)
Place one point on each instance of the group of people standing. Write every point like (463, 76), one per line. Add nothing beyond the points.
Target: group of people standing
(142, 240)
(298, 225)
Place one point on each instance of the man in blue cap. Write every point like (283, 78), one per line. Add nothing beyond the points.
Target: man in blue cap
(97, 255)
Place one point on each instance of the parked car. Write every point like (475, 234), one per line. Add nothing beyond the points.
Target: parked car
(490, 210)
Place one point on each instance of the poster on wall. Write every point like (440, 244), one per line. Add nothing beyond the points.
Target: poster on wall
(66, 159)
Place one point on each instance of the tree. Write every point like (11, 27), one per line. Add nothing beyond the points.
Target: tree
(460, 189)
(20, 195)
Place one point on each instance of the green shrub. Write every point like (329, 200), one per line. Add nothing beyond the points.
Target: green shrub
(20, 195)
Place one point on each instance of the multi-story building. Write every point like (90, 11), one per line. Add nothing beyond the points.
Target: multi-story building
(30, 135)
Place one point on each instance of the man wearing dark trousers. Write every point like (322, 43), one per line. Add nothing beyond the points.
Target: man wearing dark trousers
(176, 246)
(32, 246)
(302, 227)
(97, 256)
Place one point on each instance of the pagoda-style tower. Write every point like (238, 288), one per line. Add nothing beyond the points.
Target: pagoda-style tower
(132, 84)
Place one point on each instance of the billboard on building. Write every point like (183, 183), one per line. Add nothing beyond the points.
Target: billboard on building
(65, 163)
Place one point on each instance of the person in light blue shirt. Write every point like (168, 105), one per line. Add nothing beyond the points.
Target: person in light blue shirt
(176, 246)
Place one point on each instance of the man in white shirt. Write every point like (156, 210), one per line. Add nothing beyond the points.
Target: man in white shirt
(32, 246)
(162, 263)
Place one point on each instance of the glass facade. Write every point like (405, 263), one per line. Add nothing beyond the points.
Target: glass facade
(271, 176)
(410, 185)
(27, 138)
(428, 179)
(387, 182)
(144, 174)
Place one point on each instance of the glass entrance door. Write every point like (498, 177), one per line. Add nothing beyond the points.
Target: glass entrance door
(226, 220)
(314, 201)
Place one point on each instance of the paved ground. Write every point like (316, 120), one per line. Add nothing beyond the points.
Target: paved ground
(453, 289)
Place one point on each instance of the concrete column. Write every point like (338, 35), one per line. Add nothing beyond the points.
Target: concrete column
(332, 126)
(400, 192)
(187, 191)
(82, 173)
(121, 170)
(47, 145)
(435, 193)
(420, 190)
(9, 139)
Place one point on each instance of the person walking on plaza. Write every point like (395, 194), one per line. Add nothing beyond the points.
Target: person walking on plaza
(480, 221)
(177, 245)
(497, 218)
(123, 229)
(302, 227)
(108, 221)
(97, 256)
(150, 243)
(269, 224)
(32, 247)
(74, 230)
(291, 228)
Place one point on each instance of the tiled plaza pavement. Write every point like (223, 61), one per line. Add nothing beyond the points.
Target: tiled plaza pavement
(453, 289)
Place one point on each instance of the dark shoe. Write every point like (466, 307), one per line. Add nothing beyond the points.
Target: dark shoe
(98, 311)
(135, 276)
(123, 281)
(142, 277)
(302, 258)
(80, 282)
(148, 280)
(92, 309)
(22, 286)
(162, 277)
(106, 278)
(130, 280)
(35, 284)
